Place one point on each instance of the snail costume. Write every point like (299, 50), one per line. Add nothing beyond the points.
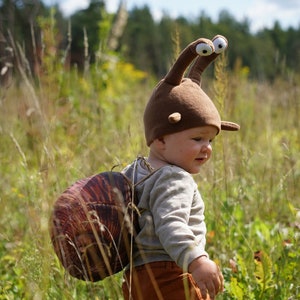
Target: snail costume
(94, 220)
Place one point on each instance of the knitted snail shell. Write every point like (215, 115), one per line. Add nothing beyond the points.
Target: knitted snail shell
(90, 226)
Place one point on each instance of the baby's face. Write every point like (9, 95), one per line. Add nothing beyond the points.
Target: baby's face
(189, 149)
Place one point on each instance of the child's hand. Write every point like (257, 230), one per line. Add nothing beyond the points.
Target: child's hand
(207, 276)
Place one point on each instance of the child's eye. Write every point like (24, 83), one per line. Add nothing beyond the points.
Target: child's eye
(197, 139)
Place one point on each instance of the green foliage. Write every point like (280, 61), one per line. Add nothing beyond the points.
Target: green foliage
(146, 42)
(252, 210)
(89, 20)
(267, 54)
(67, 125)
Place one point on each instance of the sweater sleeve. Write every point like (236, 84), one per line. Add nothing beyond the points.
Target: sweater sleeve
(178, 216)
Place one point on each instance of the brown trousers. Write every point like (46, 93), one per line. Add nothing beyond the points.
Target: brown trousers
(162, 280)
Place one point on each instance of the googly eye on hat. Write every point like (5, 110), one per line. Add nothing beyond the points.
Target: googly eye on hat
(179, 103)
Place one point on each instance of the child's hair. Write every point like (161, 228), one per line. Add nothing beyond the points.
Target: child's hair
(179, 103)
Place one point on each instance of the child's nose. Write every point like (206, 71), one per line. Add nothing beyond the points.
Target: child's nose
(206, 145)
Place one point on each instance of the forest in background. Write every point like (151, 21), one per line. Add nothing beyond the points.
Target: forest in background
(147, 43)
(66, 115)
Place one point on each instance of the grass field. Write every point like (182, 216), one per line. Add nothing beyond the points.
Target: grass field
(65, 126)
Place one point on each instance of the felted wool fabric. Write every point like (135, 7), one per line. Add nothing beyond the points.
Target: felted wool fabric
(179, 103)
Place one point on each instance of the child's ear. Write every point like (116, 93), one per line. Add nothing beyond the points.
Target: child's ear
(159, 143)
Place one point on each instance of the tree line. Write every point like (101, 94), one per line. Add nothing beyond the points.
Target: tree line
(150, 45)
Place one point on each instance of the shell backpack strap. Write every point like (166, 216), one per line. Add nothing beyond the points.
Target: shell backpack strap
(132, 174)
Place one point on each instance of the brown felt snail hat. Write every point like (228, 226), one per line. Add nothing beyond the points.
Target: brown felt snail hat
(177, 102)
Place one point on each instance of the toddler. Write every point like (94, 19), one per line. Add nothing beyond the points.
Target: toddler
(180, 122)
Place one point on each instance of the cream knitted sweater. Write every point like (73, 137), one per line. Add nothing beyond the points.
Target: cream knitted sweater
(172, 226)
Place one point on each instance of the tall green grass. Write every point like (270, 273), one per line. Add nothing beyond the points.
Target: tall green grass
(67, 125)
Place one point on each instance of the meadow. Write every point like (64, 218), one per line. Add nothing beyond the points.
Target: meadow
(64, 125)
